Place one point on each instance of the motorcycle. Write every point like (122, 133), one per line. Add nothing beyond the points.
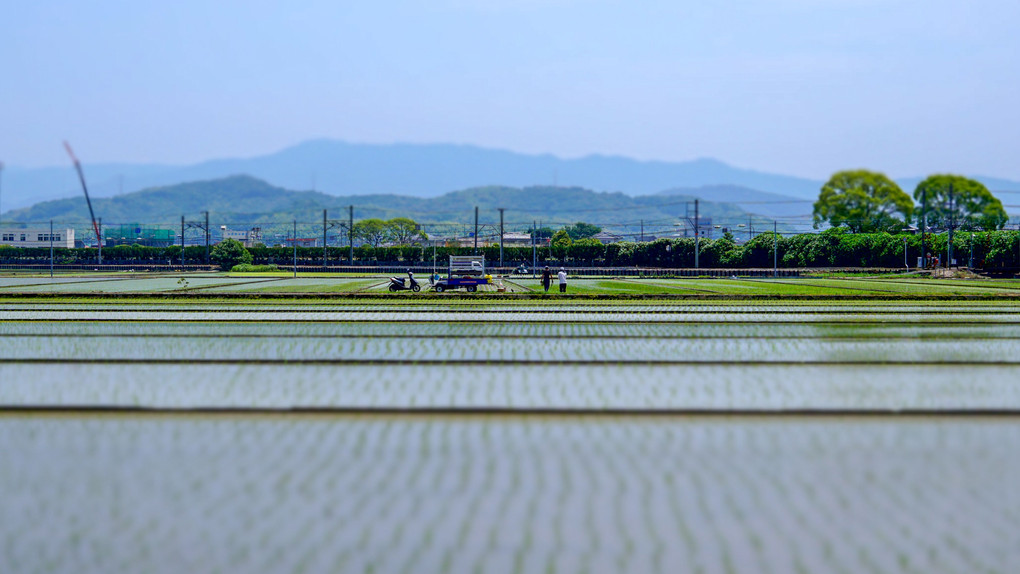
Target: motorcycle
(399, 284)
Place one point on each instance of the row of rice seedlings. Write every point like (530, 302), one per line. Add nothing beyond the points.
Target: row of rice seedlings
(129, 285)
(716, 458)
(594, 307)
(716, 387)
(16, 283)
(962, 307)
(913, 284)
(865, 285)
(660, 350)
(925, 287)
(207, 329)
(531, 317)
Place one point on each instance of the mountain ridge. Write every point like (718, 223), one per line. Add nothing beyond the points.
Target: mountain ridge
(342, 168)
(423, 170)
(244, 200)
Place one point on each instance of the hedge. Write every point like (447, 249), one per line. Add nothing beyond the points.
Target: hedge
(831, 248)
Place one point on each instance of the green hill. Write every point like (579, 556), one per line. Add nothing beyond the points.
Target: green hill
(244, 200)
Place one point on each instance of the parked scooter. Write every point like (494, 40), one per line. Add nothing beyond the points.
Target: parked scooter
(398, 283)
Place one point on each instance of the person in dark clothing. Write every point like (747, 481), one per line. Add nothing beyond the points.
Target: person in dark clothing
(546, 278)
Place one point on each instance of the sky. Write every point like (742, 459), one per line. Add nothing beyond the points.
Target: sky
(799, 87)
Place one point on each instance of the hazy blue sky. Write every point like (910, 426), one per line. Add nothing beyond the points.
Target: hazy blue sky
(795, 86)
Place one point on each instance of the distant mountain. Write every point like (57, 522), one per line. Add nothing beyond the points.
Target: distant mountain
(338, 168)
(418, 170)
(247, 201)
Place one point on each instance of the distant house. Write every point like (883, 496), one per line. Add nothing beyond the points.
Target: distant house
(303, 242)
(606, 238)
(514, 238)
(639, 237)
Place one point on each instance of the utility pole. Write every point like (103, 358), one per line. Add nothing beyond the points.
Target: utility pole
(775, 249)
(1, 187)
(906, 262)
(924, 227)
(949, 247)
(476, 231)
(187, 225)
(206, 237)
(99, 238)
(324, 255)
(697, 237)
(295, 248)
(433, 256)
(501, 209)
(51, 249)
(970, 262)
(534, 247)
(350, 230)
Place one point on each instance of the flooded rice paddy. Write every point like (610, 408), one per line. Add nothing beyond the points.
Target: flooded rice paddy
(509, 438)
(505, 494)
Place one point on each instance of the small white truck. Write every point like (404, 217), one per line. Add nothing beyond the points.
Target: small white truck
(467, 271)
(467, 265)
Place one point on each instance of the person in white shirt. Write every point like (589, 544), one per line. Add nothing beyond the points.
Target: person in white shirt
(562, 275)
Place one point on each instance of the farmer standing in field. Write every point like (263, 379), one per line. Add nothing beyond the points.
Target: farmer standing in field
(562, 275)
(546, 278)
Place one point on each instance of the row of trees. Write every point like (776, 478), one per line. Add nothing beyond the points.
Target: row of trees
(835, 247)
(865, 201)
(405, 231)
(399, 230)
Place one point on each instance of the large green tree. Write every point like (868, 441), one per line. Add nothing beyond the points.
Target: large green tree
(228, 253)
(560, 243)
(372, 231)
(399, 230)
(959, 201)
(404, 230)
(863, 202)
(582, 230)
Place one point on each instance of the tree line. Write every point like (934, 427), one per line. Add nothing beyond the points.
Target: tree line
(864, 201)
(834, 247)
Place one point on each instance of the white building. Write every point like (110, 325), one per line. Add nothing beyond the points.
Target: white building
(36, 237)
(249, 237)
(606, 238)
(513, 238)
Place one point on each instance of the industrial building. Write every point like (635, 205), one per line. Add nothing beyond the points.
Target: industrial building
(36, 237)
(137, 234)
